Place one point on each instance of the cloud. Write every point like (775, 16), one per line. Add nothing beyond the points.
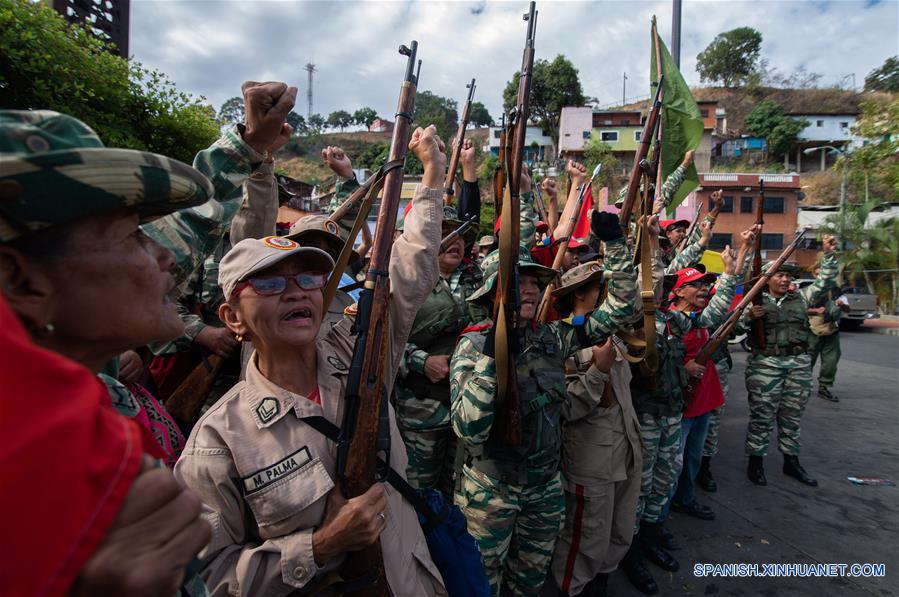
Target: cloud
(209, 47)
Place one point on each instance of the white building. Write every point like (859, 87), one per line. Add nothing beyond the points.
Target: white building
(822, 129)
(545, 150)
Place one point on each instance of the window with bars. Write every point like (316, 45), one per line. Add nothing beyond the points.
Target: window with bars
(772, 241)
(719, 241)
(774, 205)
(747, 205)
(728, 205)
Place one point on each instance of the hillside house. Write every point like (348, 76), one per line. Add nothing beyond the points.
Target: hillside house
(381, 126)
(823, 129)
(621, 130)
(537, 146)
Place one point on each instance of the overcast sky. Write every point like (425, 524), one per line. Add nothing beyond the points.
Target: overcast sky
(208, 47)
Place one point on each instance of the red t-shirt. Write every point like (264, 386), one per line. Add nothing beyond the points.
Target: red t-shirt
(707, 394)
(67, 460)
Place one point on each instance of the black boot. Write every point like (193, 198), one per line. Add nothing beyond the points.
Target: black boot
(704, 477)
(824, 392)
(792, 468)
(756, 470)
(667, 539)
(598, 587)
(652, 547)
(634, 566)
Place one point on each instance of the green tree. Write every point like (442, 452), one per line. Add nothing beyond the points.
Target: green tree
(554, 85)
(45, 63)
(731, 57)
(365, 116)
(339, 119)
(597, 152)
(297, 122)
(232, 111)
(315, 124)
(479, 116)
(885, 78)
(871, 252)
(440, 111)
(769, 121)
(874, 167)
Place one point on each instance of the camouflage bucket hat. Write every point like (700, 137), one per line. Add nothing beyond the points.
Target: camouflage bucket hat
(526, 267)
(54, 170)
(451, 221)
(789, 267)
(317, 225)
(577, 277)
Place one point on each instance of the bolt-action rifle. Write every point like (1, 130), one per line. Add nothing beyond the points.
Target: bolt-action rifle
(448, 190)
(507, 301)
(365, 430)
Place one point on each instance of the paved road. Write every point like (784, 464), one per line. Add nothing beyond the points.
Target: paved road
(787, 522)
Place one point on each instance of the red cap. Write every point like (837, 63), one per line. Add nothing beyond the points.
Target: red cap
(691, 274)
(666, 224)
(542, 226)
(574, 243)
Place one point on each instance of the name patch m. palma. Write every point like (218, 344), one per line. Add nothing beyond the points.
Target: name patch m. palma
(265, 477)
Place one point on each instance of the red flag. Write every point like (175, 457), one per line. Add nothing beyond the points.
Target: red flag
(582, 226)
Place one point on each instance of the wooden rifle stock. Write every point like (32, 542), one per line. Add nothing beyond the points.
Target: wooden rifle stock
(633, 182)
(188, 398)
(758, 328)
(365, 431)
(723, 332)
(354, 198)
(538, 201)
(506, 306)
(448, 190)
(693, 224)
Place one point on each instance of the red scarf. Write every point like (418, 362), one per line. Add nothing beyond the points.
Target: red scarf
(707, 394)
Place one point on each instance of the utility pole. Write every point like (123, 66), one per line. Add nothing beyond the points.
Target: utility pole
(675, 32)
(309, 68)
(624, 90)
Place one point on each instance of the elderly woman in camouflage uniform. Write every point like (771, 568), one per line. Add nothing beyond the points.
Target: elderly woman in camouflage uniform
(422, 392)
(512, 495)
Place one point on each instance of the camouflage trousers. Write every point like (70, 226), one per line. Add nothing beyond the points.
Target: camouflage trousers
(430, 442)
(710, 448)
(828, 348)
(662, 462)
(778, 388)
(515, 527)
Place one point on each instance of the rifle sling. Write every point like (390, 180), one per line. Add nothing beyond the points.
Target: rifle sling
(344, 258)
(332, 432)
(647, 295)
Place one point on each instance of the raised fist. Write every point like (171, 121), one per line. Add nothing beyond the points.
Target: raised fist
(266, 106)
(337, 161)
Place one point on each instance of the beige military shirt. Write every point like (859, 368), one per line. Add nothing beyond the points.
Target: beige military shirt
(600, 443)
(264, 475)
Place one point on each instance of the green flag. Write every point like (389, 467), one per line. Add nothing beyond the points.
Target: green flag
(681, 121)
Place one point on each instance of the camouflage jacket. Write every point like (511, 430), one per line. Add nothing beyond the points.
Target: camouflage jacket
(192, 234)
(460, 285)
(810, 295)
(473, 374)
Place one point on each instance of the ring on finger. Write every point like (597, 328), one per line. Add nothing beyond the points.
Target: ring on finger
(381, 514)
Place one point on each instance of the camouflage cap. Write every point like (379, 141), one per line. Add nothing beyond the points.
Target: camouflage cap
(577, 277)
(526, 267)
(54, 170)
(451, 221)
(253, 255)
(791, 268)
(324, 228)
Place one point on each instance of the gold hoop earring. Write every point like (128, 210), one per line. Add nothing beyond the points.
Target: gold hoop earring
(238, 337)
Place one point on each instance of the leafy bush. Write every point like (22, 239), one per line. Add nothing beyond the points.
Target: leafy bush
(48, 64)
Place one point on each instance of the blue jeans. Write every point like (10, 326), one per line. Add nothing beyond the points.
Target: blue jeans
(693, 432)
